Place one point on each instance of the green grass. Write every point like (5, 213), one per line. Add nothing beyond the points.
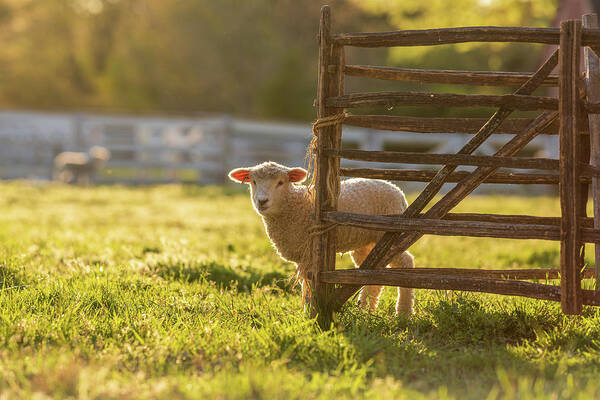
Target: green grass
(174, 292)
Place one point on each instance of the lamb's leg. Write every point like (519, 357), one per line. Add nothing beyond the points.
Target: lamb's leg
(66, 176)
(85, 178)
(406, 296)
(371, 291)
(76, 176)
(302, 276)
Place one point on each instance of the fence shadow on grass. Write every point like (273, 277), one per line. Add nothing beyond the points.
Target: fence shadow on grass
(454, 340)
(240, 278)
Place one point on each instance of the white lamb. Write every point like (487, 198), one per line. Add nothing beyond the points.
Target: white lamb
(287, 212)
(79, 167)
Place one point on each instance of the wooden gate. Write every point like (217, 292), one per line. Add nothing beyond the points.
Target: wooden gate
(573, 115)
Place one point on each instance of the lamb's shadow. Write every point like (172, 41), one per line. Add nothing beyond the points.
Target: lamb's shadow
(241, 278)
(460, 341)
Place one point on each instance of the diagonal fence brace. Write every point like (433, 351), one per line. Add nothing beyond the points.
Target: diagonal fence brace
(375, 258)
(454, 196)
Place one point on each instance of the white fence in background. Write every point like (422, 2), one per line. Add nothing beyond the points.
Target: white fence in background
(149, 150)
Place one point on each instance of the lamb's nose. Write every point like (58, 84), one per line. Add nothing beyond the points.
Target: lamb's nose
(262, 202)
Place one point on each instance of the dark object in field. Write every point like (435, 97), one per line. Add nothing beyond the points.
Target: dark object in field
(80, 167)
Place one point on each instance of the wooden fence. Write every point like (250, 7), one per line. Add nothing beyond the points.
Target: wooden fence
(573, 116)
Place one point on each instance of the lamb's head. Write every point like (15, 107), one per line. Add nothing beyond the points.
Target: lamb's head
(99, 155)
(269, 184)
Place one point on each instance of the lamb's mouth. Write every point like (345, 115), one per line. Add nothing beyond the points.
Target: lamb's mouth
(263, 208)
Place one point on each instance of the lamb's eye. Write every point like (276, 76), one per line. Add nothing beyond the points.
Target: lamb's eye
(280, 183)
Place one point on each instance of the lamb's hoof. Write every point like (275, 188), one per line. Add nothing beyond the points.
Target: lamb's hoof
(404, 312)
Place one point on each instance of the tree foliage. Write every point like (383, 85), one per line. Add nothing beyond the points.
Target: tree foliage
(256, 58)
(414, 14)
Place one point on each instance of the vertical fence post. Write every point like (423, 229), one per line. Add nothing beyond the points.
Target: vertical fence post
(569, 187)
(592, 80)
(330, 84)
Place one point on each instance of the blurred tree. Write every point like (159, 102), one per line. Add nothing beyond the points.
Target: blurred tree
(255, 58)
(416, 14)
(37, 51)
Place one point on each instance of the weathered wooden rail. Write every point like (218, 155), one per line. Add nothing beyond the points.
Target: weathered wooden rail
(573, 116)
(477, 78)
(444, 125)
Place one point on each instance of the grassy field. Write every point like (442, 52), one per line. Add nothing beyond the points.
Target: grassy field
(174, 292)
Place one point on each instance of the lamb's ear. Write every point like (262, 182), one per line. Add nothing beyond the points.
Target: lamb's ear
(240, 175)
(297, 175)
